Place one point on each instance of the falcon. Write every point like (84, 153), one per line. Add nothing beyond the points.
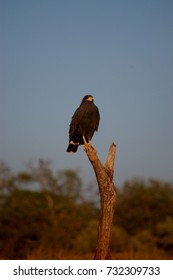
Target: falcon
(84, 123)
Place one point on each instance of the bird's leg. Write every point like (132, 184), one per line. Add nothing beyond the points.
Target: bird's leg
(85, 142)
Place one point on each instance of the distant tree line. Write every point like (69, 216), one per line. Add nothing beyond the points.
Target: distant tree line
(45, 215)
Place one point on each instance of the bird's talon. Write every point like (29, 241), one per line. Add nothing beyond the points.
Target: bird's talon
(87, 145)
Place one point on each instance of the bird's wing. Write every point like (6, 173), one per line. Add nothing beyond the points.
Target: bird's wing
(77, 116)
(97, 118)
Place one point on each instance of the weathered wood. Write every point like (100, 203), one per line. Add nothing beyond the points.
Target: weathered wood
(104, 176)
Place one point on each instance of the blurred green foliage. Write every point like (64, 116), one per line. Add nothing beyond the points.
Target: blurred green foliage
(44, 215)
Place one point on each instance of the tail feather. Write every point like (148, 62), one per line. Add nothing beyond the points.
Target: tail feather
(72, 148)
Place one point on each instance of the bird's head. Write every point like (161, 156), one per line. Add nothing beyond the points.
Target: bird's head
(88, 98)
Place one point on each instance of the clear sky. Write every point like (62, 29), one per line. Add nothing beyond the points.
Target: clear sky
(54, 52)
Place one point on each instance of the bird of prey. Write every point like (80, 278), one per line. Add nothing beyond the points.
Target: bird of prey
(84, 123)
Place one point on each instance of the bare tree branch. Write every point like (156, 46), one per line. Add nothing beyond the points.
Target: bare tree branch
(104, 176)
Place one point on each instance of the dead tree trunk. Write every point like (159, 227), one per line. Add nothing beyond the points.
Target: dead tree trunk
(104, 176)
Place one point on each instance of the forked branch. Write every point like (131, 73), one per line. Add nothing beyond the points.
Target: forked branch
(104, 175)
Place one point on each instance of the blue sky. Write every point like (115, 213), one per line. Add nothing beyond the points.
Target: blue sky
(55, 52)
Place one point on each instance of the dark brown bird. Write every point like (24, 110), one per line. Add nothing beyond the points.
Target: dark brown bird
(84, 123)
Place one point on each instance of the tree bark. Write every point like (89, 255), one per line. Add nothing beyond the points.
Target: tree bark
(104, 175)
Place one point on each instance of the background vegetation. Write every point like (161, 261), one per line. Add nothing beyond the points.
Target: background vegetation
(47, 215)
